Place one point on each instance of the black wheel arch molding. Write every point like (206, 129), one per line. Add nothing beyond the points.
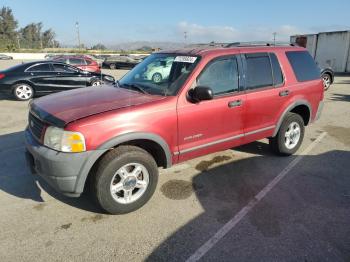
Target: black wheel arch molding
(290, 109)
(133, 136)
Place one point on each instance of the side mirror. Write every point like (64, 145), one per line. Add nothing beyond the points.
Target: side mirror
(200, 93)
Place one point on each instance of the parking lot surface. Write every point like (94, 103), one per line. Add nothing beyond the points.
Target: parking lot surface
(244, 204)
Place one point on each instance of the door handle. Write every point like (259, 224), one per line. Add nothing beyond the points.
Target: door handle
(284, 93)
(235, 103)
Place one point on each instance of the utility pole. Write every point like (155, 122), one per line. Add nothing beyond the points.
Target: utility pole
(185, 36)
(274, 38)
(78, 34)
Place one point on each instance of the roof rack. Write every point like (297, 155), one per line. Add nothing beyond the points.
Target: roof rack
(257, 43)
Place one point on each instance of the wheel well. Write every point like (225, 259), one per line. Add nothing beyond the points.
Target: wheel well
(153, 148)
(303, 111)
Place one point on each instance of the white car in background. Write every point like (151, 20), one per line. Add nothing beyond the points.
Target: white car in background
(158, 70)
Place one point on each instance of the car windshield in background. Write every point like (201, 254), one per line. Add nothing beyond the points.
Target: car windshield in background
(160, 74)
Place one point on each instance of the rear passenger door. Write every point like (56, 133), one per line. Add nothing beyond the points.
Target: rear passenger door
(264, 85)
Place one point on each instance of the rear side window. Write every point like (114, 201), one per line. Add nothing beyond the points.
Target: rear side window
(76, 61)
(221, 76)
(259, 71)
(40, 68)
(88, 62)
(303, 65)
(276, 70)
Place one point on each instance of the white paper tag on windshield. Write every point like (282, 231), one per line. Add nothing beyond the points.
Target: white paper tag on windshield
(185, 59)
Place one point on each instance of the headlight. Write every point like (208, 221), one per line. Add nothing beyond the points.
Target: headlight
(64, 141)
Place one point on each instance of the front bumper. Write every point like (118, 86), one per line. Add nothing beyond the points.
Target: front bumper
(65, 172)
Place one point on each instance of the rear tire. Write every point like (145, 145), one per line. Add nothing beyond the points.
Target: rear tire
(327, 81)
(23, 92)
(96, 83)
(125, 179)
(112, 66)
(289, 136)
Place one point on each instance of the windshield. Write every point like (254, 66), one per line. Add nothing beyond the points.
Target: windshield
(160, 74)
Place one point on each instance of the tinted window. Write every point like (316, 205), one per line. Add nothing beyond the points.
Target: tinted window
(276, 69)
(63, 68)
(76, 61)
(40, 68)
(88, 62)
(259, 72)
(303, 65)
(221, 76)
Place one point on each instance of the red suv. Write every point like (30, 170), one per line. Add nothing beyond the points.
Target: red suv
(82, 62)
(212, 99)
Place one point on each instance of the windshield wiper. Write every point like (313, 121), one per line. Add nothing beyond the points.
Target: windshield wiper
(134, 86)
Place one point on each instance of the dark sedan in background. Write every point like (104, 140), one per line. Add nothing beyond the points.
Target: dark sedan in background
(24, 81)
(120, 61)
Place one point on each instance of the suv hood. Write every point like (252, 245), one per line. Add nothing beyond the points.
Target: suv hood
(62, 108)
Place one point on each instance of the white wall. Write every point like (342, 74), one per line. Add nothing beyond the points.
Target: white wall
(332, 50)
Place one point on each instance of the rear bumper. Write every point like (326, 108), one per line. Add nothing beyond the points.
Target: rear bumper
(65, 172)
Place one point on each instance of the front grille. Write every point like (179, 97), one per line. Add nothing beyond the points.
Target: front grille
(36, 126)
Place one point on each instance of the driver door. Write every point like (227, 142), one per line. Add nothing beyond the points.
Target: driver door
(68, 77)
(216, 124)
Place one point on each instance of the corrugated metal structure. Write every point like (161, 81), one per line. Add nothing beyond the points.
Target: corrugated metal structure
(329, 49)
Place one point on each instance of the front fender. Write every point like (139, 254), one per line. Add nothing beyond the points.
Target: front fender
(136, 136)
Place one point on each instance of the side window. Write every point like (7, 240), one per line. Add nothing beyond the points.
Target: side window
(63, 68)
(88, 62)
(221, 76)
(303, 65)
(40, 68)
(259, 72)
(76, 61)
(276, 69)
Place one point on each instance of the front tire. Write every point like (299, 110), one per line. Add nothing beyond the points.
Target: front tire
(96, 83)
(23, 92)
(290, 135)
(125, 179)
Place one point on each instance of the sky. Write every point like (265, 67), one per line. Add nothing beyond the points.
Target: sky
(111, 22)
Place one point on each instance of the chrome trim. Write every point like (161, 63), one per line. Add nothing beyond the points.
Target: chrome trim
(223, 140)
(259, 130)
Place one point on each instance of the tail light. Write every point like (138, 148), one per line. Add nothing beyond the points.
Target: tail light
(2, 76)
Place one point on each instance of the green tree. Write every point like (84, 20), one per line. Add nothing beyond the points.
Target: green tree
(8, 26)
(31, 36)
(99, 46)
(48, 38)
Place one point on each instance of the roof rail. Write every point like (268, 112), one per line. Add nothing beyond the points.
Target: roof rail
(257, 43)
